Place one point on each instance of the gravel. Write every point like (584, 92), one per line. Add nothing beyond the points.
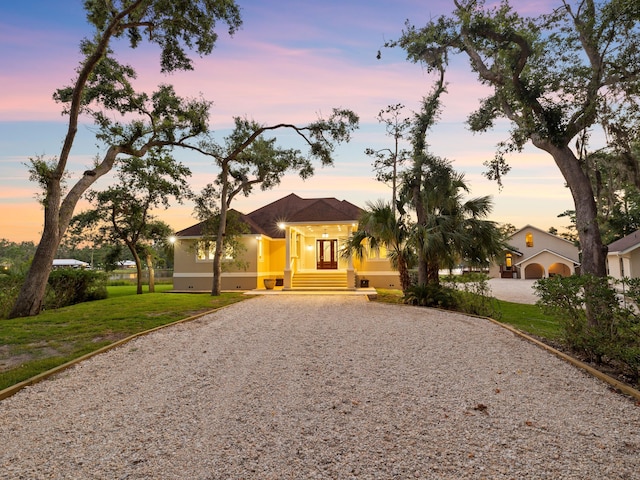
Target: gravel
(322, 387)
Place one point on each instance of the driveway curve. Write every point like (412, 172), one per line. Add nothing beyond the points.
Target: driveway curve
(513, 290)
(322, 387)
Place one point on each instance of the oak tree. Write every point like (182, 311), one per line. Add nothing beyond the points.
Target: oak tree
(103, 90)
(249, 158)
(124, 212)
(554, 77)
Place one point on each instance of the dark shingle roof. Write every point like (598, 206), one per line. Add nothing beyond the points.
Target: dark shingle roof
(290, 209)
(625, 243)
(196, 230)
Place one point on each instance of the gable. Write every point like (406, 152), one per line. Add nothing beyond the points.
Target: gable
(293, 209)
(547, 251)
(530, 240)
(323, 211)
(518, 239)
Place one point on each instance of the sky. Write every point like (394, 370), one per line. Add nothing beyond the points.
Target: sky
(292, 61)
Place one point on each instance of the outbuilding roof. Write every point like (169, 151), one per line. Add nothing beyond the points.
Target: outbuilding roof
(546, 250)
(625, 244)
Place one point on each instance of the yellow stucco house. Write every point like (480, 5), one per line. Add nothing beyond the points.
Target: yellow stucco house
(294, 242)
(534, 253)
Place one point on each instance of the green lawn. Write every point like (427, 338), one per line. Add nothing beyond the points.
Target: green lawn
(527, 318)
(30, 346)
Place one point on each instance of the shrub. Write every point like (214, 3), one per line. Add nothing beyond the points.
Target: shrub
(9, 288)
(69, 286)
(473, 294)
(613, 334)
(430, 295)
(631, 290)
(66, 287)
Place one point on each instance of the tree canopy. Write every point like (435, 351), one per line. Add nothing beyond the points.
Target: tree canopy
(103, 90)
(248, 158)
(123, 213)
(554, 77)
(388, 161)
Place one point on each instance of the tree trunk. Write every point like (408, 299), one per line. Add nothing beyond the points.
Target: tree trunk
(422, 270)
(152, 273)
(403, 271)
(216, 287)
(57, 215)
(421, 219)
(594, 255)
(136, 257)
(433, 273)
(31, 296)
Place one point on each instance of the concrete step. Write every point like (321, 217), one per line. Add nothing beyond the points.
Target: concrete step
(327, 280)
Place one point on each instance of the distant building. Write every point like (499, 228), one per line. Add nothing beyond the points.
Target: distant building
(534, 253)
(69, 263)
(126, 264)
(623, 257)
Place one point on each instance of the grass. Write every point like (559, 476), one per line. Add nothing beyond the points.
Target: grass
(32, 345)
(389, 296)
(527, 318)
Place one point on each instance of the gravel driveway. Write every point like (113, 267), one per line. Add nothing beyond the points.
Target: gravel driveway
(326, 387)
(513, 290)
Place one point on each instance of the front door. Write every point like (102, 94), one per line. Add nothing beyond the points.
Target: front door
(326, 254)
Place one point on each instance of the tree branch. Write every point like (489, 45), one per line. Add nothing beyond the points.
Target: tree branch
(79, 86)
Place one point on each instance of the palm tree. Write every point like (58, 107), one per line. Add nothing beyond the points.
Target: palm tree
(448, 228)
(379, 227)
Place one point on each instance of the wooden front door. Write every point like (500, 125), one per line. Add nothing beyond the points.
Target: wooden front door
(326, 254)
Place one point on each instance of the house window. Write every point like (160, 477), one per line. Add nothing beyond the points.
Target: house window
(378, 253)
(205, 251)
(529, 239)
(509, 261)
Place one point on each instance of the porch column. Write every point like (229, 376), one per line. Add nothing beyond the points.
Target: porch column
(351, 272)
(287, 259)
(351, 275)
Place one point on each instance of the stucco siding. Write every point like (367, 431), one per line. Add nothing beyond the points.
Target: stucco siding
(191, 273)
(634, 264)
(277, 255)
(542, 241)
(537, 254)
(624, 265)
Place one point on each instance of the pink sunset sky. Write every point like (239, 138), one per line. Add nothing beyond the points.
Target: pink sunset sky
(290, 62)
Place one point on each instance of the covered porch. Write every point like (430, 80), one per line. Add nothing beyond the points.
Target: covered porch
(313, 256)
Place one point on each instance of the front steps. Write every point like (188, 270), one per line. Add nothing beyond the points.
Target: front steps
(320, 280)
